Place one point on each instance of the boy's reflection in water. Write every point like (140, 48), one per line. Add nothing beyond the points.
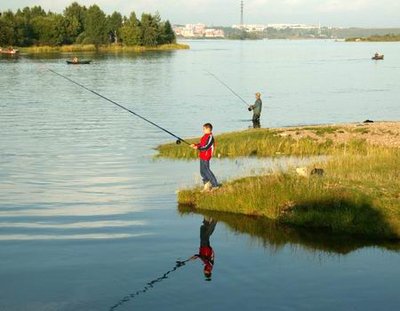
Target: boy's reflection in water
(206, 253)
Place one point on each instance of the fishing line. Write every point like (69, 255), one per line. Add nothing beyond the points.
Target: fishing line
(148, 286)
(228, 87)
(179, 139)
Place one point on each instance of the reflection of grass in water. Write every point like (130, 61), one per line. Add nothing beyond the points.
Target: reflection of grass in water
(275, 236)
(359, 195)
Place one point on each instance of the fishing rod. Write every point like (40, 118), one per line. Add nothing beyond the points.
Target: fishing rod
(179, 139)
(228, 87)
(149, 285)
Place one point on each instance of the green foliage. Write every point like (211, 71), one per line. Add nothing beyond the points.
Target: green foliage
(7, 33)
(114, 24)
(78, 24)
(149, 29)
(75, 20)
(95, 26)
(167, 33)
(130, 30)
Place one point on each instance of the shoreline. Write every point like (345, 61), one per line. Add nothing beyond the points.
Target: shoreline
(80, 48)
(358, 192)
(376, 38)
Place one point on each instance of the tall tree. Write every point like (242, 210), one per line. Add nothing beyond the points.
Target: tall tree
(75, 17)
(167, 34)
(114, 24)
(150, 30)
(50, 30)
(95, 26)
(24, 35)
(130, 30)
(7, 26)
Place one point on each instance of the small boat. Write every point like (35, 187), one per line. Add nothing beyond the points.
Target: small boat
(9, 51)
(79, 62)
(378, 57)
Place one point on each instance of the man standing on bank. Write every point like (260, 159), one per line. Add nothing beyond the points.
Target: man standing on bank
(256, 110)
(206, 148)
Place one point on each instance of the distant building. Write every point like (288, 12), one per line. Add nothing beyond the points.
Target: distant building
(214, 33)
(260, 28)
(198, 31)
(251, 28)
(293, 26)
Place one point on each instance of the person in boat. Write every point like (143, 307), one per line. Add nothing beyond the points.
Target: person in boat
(256, 108)
(75, 60)
(376, 54)
(206, 252)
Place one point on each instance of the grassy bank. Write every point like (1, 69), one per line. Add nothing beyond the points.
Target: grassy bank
(104, 48)
(257, 142)
(298, 141)
(358, 194)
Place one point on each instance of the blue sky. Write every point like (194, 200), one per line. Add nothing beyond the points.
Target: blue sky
(363, 13)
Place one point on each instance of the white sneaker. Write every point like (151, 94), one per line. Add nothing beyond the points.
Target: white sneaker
(207, 187)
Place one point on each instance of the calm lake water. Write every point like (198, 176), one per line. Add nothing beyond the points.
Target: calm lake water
(89, 219)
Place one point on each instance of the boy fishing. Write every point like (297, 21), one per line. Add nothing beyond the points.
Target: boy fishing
(206, 148)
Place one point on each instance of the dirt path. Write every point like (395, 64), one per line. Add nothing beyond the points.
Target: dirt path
(377, 133)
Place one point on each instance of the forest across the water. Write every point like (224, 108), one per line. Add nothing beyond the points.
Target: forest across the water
(78, 24)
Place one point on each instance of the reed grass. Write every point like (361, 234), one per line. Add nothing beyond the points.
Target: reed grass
(113, 48)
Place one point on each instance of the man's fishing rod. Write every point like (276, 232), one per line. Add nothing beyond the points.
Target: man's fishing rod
(179, 139)
(228, 87)
(149, 285)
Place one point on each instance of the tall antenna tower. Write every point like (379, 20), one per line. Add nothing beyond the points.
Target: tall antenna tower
(241, 14)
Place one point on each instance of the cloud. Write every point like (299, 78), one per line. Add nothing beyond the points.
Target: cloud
(346, 6)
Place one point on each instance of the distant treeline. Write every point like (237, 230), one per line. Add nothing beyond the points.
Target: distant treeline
(81, 25)
(327, 32)
(385, 38)
(301, 33)
(239, 34)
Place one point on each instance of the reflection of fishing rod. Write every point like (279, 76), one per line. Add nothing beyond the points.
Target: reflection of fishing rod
(228, 87)
(179, 140)
(148, 285)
